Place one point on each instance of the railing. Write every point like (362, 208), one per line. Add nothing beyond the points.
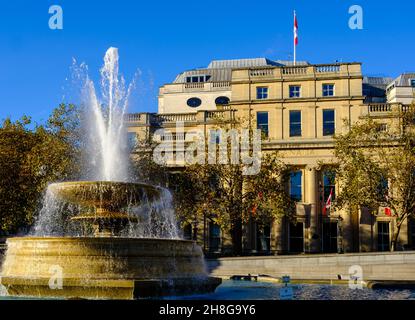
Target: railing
(261, 72)
(222, 115)
(133, 117)
(380, 107)
(221, 84)
(172, 136)
(328, 68)
(294, 70)
(194, 85)
(173, 117)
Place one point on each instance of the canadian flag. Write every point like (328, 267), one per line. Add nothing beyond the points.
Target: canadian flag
(295, 29)
(327, 206)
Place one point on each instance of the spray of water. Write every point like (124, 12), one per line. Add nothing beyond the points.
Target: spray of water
(107, 159)
(106, 145)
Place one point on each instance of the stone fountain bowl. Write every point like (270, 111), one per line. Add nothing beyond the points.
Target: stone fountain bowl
(104, 194)
(104, 268)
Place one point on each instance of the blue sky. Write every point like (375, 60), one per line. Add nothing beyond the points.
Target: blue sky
(163, 38)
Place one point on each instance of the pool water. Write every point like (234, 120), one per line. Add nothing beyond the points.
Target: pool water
(250, 290)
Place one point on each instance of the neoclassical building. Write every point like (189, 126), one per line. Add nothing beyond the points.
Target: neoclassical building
(299, 109)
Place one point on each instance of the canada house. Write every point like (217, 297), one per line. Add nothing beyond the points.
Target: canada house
(298, 110)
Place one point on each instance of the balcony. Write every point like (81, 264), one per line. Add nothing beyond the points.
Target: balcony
(320, 71)
(169, 119)
(196, 87)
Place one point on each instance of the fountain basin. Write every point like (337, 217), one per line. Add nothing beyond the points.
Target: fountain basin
(104, 268)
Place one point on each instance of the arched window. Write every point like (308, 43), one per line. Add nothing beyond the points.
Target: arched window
(222, 100)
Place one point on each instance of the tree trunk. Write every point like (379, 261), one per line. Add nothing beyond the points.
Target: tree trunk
(396, 236)
(237, 237)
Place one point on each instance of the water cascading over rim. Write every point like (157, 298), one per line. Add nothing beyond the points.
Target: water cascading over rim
(104, 201)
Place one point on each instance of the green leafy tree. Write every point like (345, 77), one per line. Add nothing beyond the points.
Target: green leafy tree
(31, 156)
(376, 168)
(230, 198)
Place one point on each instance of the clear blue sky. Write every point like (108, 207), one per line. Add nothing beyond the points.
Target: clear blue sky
(163, 38)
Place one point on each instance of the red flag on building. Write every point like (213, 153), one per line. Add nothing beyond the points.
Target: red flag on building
(295, 29)
(327, 205)
(295, 37)
(388, 211)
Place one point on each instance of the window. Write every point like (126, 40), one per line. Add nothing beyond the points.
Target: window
(383, 236)
(328, 122)
(296, 231)
(262, 122)
(296, 185)
(214, 136)
(295, 123)
(383, 188)
(382, 127)
(295, 91)
(221, 100)
(262, 92)
(131, 140)
(187, 232)
(412, 233)
(194, 102)
(214, 237)
(412, 81)
(329, 237)
(329, 185)
(328, 90)
(197, 78)
(263, 233)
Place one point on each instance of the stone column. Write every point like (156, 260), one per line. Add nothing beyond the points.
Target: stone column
(312, 193)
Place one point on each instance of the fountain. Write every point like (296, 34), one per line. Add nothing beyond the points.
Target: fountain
(112, 262)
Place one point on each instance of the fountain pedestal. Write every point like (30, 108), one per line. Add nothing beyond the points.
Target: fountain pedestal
(104, 266)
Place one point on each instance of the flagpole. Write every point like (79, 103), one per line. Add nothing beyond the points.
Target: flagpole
(295, 45)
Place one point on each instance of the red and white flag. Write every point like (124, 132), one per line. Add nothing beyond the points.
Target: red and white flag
(327, 205)
(295, 30)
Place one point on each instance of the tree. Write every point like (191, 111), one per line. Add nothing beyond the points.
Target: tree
(31, 156)
(231, 198)
(376, 168)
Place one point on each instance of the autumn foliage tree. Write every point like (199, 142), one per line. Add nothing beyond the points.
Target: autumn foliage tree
(376, 168)
(31, 156)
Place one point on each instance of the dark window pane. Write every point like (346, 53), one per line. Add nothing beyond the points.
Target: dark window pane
(214, 237)
(329, 184)
(194, 102)
(296, 185)
(295, 123)
(295, 91)
(328, 122)
(262, 122)
(296, 231)
(222, 100)
(383, 236)
(261, 92)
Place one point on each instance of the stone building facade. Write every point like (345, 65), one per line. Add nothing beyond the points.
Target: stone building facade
(299, 109)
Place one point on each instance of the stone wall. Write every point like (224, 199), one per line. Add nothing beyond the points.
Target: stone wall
(375, 266)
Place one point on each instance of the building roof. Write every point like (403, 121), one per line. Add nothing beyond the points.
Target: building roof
(377, 81)
(404, 80)
(221, 70)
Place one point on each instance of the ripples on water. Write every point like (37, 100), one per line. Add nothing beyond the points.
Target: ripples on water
(247, 290)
